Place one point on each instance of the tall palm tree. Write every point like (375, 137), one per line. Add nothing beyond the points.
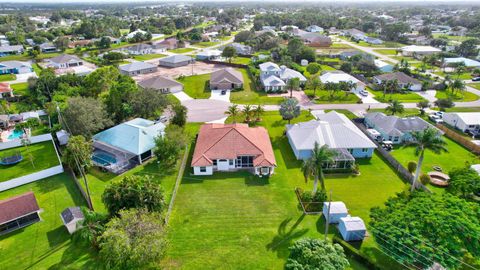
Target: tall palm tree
(233, 112)
(259, 110)
(395, 107)
(314, 83)
(247, 111)
(457, 85)
(422, 140)
(293, 84)
(313, 167)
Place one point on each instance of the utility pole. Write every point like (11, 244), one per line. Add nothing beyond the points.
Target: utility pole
(328, 215)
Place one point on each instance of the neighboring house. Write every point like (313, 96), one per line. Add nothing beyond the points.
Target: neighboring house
(372, 40)
(126, 145)
(332, 129)
(458, 31)
(469, 63)
(112, 40)
(15, 67)
(72, 218)
(338, 76)
(464, 121)
(403, 80)
(242, 49)
(353, 32)
(226, 79)
(64, 61)
(275, 78)
(209, 55)
(4, 121)
(137, 68)
(169, 44)
(418, 51)
(5, 90)
(177, 60)
(132, 34)
(314, 29)
(352, 228)
(316, 40)
(11, 49)
(395, 129)
(231, 147)
(333, 211)
(47, 47)
(383, 66)
(139, 49)
(349, 54)
(420, 40)
(287, 73)
(163, 84)
(18, 212)
(80, 43)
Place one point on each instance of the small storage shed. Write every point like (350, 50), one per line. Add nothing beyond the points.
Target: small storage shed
(304, 62)
(337, 211)
(352, 228)
(72, 218)
(62, 137)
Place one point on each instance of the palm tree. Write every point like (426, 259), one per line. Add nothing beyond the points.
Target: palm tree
(460, 69)
(259, 110)
(247, 111)
(422, 105)
(313, 167)
(93, 226)
(293, 84)
(395, 107)
(426, 139)
(457, 85)
(314, 83)
(233, 112)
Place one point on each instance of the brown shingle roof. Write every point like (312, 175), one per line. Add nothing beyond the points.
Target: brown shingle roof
(18, 206)
(228, 141)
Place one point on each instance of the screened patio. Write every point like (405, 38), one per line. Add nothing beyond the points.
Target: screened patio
(342, 160)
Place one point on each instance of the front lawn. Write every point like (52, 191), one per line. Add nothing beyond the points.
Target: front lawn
(36, 68)
(407, 97)
(205, 44)
(7, 77)
(241, 60)
(406, 113)
(182, 50)
(386, 51)
(236, 220)
(463, 96)
(250, 95)
(323, 97)
(474, 85)
(196, 86)
(148, 56)
(20, 88)
(453, 76)
(46, 244)
(43, 156)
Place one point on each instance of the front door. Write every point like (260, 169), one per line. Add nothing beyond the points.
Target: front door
(222, 164)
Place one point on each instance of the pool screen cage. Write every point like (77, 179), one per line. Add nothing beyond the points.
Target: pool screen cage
(123, 158)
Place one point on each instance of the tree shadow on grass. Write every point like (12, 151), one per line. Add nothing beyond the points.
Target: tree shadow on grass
(282, 144)
(285, 236)
(49, 184)
(79, 256)
(57, 236)
(252, 180)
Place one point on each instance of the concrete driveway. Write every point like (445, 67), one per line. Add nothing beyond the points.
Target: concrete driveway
(217, 95)
(182, 96)
(205, 110)
(21, 78)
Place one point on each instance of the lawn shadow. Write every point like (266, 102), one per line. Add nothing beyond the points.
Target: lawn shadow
(253, 180)
(57, 236)
(289, 158)
(285, 236)
(82, 255)
(49, 184)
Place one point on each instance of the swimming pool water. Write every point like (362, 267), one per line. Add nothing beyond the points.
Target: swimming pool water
(15, 134)
(103, 158)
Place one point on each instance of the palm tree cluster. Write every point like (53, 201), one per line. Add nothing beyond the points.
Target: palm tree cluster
(395, 107)
(249, 112)
(313, 167)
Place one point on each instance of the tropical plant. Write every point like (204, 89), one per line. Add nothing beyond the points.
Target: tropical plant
(259, 110)
(457, 85)
(423, 140)
(464, 182)
(293, 84)
(395, 107)
(233, 112)
(411, 166)
(92, 227)
(289, 109)
(247, 112)
(314, 84)
(78, 154)
(313, 166)
(422, 105)
(311, 253)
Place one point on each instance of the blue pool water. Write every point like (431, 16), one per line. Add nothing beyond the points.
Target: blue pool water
(103, 158)
(15, 134)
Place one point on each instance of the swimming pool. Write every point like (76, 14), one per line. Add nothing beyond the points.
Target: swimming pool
(103, 158)
(15, 134)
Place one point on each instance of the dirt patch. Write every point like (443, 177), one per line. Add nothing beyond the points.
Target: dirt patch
(196, 69)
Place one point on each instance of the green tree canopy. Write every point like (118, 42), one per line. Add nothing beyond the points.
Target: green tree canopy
(78, 150)
(464, 182)
(148, 103)
(316, 254)
(289, 109)
(86, 116)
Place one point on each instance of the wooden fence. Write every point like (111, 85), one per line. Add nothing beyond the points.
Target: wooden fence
(460, 139)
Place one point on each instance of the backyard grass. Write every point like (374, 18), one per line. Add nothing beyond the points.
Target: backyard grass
(43, 155)
(7, 77)
(36, 68)
(46, 244)
(461, 76)
(323, 97)
(463, 96)
(386, 51)
(148, 56)
(182, 50)
(241, 60)
(408, 97)
(20, 88)
(250, 95)
(237, 220)
(196, 86)
(205, 44)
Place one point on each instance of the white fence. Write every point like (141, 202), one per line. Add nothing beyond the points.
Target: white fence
(22, 180)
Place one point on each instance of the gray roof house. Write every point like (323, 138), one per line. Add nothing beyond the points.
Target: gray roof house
(177, 60)
(11, 49)
(274, 78)
(137, 68)
(139, 49)
(403, 80)
(332, 129)
(47, 47)
(64, 61)
(395, 129)
(241, 49)
(226, 79)
(162, 84)
(15, 67)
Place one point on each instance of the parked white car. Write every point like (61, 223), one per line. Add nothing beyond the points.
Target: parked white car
(436, 118)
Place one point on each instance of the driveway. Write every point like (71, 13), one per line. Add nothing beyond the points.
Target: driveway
(182, 96)
(205, 110)
(369, 99)
(21, 78)
(217, 95)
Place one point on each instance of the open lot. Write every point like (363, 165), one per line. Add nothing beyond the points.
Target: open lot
(182, 50)
(463, 96)
(193, 69)
(402, 97)
(196, 86)
(148, 56)
(323, 97)
(237, 219)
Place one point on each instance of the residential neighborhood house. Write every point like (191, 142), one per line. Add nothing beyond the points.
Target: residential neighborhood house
(15, 67)
(64, 61)
(226, 79)
(137, 68)
(177, 60)
(163, 84)
(18, 212)
(404, 81)
(464, 121)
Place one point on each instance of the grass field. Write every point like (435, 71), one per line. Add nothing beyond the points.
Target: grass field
(386, 51)
(249, 95)
(148, 56)
(323, 97)
(236, 220)
(196, 86)
(43, 156)
(402, 97)
(205, 44)
(7, 77)
(461, 76)
(241, 60)
(406, 113)
(463, 109)
(36, 68)
(182, 50)
(20, 88)
(474, 85)
(463, 96)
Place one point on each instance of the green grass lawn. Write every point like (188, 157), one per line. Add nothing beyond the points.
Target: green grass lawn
(462, 109)
(241, 60)
(205, 44)
(196, 86)
(463, 96)
(182, 50)
(474, 85)
(36, 68)
(402, 97)
(456, 38)
(386, 51)
(250, 95)
(461, 76)
(323, 97)
(406, 113)
(148, 56)
(20, 88)
(236, 220)
(7, 77)
(46, 244)
(43, 155)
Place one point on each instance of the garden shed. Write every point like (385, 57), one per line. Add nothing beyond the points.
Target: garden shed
(352, 228)
(337, 211)
(72, 218)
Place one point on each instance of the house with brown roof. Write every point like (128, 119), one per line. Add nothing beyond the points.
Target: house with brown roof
(18, 212)
(163, 84)
(316, 39)
(169, 44)
(232, 147)
(226, 79)
(5, 90)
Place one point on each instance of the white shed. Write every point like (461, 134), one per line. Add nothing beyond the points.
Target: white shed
(337, 211)
(352, 228)
(304, 62)
(62, 137)
(72, 218)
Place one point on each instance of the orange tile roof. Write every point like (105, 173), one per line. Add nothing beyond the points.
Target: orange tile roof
(5, 88)
(228, 141)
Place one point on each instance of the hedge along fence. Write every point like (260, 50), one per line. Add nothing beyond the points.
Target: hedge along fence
(355, 253)
(22, 180)
(460, 139)
(308, 207)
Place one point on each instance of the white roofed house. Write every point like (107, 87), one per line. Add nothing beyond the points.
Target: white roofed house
(138, 31)
(418, 51)
(275, 78)
(314, 29)
(338, 76)
(137, 68)
(139, 49)
(64, 61)
(383, 66)
(242, 49)
(15, 67)
(464, 121)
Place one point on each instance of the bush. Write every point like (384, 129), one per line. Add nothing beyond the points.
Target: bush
(312, 253)
(424, 179)
(412, 166)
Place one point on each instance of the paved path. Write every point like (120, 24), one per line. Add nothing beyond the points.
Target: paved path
(21, 78)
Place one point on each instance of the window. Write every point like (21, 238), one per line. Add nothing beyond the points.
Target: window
(203, 169)
(214, 162)
(244, 161)
(364, 149)
(230, 162)
(265, 170)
